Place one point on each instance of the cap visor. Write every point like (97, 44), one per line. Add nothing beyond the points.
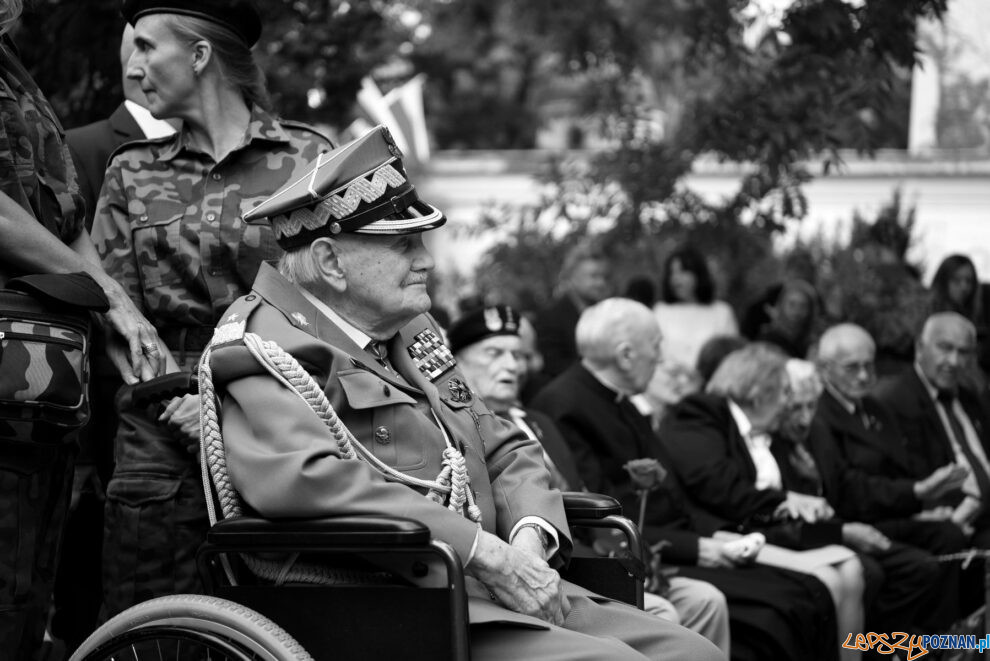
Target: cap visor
(417, 217)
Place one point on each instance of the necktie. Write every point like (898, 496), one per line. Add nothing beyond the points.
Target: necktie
(945, 399)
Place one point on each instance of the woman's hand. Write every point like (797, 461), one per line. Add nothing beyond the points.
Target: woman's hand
(132, 342)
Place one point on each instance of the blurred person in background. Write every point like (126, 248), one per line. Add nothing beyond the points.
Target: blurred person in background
(169, 227)
(774, 613)
(956, 288)
(792, 317)
(689, 315)
(42, 231)
(584, 280)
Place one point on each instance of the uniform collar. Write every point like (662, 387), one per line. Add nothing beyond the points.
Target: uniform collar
(359, 337)
(262, 127)
(152, 127)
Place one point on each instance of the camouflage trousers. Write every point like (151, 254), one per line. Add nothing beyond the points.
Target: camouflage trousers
(155, 513)
(35, 486)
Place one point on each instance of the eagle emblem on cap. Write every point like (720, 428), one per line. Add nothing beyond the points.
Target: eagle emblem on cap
(493, 320)
(390, 141)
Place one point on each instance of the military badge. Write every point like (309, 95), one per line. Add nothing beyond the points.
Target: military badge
(299, 318)
(493, 321)
(430, 355)
(459, 392)
(390, 141)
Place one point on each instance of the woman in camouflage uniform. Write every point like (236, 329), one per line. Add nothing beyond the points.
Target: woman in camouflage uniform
(42, 231)
(169, 228)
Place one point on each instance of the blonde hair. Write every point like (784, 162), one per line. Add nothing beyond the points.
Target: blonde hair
(748, 375)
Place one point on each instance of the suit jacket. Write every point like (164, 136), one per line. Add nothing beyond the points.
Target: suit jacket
(929, 446)
(868, 473)
(711, 458)
(603, 435)
(284, 462)
(91, 147)
(555, 335)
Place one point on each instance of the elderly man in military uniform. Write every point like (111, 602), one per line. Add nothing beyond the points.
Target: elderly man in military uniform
(348, 303)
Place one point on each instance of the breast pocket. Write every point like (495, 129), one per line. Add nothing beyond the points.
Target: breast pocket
(392, 427)
(163, 251)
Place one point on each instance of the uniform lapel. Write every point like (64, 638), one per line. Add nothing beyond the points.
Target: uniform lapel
(302, 314)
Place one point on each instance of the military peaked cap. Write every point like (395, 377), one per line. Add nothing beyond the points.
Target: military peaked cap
(481, 324)
(238, 16)
(360, 187)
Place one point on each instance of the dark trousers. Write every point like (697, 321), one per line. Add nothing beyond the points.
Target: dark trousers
(936, 537)
(901, 584)
(35, 485)
(155, 513)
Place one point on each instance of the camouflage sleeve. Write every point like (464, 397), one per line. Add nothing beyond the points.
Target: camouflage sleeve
(112, 235)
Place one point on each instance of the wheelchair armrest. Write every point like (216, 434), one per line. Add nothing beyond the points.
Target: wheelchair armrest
(314, 534)
(583, 505)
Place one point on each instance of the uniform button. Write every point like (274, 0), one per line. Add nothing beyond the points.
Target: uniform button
(386, 390)
(383, 436)
(216, 176)
(143, 218)
(211, 217)
(250, 297)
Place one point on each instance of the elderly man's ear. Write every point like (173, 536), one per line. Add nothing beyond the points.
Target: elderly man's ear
(326, 257)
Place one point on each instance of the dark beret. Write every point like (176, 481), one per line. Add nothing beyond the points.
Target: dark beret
(238, 16)
(481, 324)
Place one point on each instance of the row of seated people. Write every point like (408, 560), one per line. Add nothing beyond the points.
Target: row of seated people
(758, 453)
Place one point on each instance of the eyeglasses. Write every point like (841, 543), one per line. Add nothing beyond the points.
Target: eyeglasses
(854, 369)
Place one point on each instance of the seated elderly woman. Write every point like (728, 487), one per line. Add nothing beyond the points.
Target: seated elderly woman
(901, 579)
(719, 443)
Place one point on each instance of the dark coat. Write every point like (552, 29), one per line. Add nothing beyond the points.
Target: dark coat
(604, 435)
(869, 474)
(91, 147)
(929, 446)
(712, 461)
(555, 335)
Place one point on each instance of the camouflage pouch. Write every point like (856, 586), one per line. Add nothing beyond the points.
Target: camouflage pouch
(44, 356)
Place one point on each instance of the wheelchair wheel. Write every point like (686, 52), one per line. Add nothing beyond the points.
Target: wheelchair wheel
(190, 627)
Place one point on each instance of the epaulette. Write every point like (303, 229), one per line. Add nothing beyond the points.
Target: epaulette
(139, 142)
(303, 126)
(234, 322)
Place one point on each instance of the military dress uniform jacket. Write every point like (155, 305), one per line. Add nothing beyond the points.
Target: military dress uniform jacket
(284, 462)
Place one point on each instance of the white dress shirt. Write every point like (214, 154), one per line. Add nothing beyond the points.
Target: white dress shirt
(758, 445)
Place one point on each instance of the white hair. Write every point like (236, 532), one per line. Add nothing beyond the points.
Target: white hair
(838, 339)
(747, 375)
(607, 323)
(803, 376)
(299, 266)
(944, 319)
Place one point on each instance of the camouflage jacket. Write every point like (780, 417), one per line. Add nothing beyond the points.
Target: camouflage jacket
(36, 170)
(169, 225)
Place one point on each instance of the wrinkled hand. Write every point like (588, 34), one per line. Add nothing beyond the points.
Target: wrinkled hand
(182, 417)
(519, 580)
(942, 481)
(864, 538)
(712, 553)
(802, 506)
(527, 539)
(128, 332)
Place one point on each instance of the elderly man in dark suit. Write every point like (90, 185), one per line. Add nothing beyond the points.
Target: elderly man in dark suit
(348, 303)
(947, 421)
(881, 479)
(774, 613)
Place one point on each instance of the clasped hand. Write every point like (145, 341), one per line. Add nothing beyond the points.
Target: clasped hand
(807, 508)
(518, 579)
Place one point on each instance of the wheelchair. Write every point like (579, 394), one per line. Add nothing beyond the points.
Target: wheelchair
(389, 575)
